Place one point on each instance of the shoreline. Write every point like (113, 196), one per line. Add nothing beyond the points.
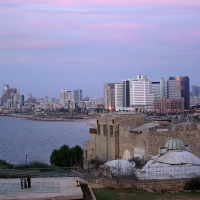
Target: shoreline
(91, 122)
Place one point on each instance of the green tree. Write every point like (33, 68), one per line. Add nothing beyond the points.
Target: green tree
(54, 157)
(5, 164)
(63, 156)
(76, 154)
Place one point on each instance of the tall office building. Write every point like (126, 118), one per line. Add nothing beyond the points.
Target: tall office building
(158, 89)
(109, 96)
(178, 87)
(195, 91)
(141, 93)
(11, 95)
(118, 96)
(65, 95)
(126, 88)
(78, 95)
(134, 94)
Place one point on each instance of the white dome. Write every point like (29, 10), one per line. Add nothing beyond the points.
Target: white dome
(178, 158)
(123, 164)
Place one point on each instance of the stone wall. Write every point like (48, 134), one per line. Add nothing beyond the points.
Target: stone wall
(112, 135)
(188, 133)
(153, 185)
(113, 138)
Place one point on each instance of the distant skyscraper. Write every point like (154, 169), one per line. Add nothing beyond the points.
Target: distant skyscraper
(109, 96)
(65, 95)
(134, 93)
(126, 86)
(178, 87)
(158, 89)
(11, 95)
(195, 91)
(21, 100)
(141, 93)
(78, 95)
(118, 96)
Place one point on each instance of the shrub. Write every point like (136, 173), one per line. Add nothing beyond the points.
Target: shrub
(20, 166)
(38, 164)
(193, 184)
(4, 164)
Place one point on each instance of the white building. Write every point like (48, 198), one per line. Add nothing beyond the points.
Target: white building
(134, 94)
(118, 96)
(173, 161)
(141, 96)
(158, 89)
(65, 95)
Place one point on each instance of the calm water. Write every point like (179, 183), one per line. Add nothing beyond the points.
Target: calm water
(37, 139)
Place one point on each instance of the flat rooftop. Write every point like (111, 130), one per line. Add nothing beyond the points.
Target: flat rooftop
(41, 188)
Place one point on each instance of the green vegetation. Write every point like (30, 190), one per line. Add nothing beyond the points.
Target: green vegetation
(193, 184)
(66, 157)
(38, 164)
(129, 194)
(5, 165)
(20, 166)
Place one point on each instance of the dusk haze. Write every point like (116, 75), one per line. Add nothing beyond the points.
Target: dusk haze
(52, 45)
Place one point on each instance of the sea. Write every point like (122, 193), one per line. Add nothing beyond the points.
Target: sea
(23, 141)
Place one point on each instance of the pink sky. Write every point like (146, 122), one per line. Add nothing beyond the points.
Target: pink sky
(127, 36)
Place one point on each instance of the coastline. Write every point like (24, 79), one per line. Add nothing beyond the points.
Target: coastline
(90, 121)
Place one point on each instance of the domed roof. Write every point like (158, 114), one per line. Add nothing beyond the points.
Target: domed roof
(179, 158)
(175, 144)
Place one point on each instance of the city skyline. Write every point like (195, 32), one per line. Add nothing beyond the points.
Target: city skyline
(47, 46)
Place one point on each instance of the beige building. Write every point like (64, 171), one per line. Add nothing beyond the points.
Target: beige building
(109, 140)
(109, 96)
(126, 135)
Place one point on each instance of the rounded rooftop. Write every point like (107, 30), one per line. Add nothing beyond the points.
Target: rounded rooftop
(175, 144)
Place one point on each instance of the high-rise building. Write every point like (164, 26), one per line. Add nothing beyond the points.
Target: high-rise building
(78, 95)
(141, 95)
(11, 95)
(178, 87)
(65, 95)
(126, 88)
(109, 96)
(195, 91)
(134, 94)
(118, 96)
(158, 89)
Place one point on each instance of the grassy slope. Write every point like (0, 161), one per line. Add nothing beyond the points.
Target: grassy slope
(114, 194)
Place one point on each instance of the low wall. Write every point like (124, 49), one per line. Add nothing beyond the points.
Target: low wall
(154, 185)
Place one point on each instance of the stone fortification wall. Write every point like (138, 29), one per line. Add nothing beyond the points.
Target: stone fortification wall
(127, 139)
(112, 129)
(188, 133)
(153, 185)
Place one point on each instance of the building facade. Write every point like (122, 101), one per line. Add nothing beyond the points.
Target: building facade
(65, 95)
(78, 96)
(165, 105)
(195, 91)
(127, 136)
(158, 89)
(178, 87)
(109, 96)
